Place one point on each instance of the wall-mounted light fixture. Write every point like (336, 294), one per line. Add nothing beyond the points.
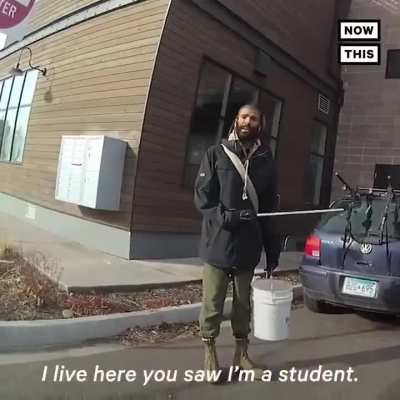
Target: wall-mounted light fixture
(17, 71)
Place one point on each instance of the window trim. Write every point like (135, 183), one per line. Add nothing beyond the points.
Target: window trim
(186, 157)
(325, 158)
(5, 118)
(387, 63)
(232, 79)
(17, 108)
(278, 137)
(224, 107)
(249, 80)
(233, 74)
(281, 99)
(16, 119)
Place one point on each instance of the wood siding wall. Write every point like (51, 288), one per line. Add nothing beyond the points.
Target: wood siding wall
(161, 202)
(48, 11)
(98, 78)
(303, 28)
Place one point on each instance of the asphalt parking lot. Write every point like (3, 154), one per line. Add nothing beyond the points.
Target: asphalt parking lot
(345, 356)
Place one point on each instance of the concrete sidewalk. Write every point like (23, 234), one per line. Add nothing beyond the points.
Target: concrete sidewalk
(85, 269)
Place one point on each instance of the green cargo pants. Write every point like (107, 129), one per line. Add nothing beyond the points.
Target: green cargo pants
(215, 284)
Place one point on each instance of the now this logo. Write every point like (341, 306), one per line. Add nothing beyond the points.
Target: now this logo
(360, 31)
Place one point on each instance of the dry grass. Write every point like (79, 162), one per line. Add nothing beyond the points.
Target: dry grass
(159, 333)
(29, 290)
(26, 292)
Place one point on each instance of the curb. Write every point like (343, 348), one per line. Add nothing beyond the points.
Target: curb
(25, 334)
(102, 289)
(147, 286)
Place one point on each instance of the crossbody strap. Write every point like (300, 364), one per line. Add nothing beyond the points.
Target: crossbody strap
(240, 168)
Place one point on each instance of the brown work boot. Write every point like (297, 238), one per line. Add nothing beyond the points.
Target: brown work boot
(241, 358)
(211, 366)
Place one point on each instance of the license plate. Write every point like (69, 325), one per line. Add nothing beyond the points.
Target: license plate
(360, 287)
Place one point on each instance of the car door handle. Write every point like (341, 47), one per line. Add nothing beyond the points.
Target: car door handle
(364, 263)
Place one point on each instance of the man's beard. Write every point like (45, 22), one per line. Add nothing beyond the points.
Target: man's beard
(249, 136)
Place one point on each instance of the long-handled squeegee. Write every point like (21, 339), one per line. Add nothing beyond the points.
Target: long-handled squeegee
(278, 214)
(300, 212)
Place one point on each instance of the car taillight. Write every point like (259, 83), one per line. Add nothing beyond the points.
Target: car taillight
(313, 246)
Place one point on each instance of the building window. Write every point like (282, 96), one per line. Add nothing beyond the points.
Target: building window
(382, 174)
(393, 64)
(15, 106)
(219, 97)
(272, 109)
(241, 92)
(315, 165)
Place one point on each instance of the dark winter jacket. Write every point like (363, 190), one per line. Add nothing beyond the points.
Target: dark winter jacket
(227, 242)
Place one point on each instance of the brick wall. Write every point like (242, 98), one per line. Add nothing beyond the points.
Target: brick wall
(369, 120)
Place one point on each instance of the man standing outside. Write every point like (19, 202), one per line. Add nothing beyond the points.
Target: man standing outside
(232, 236)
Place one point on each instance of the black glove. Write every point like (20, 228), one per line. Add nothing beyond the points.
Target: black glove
(247, 215)
(234, 217)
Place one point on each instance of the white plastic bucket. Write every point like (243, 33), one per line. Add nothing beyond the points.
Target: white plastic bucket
(272, 299)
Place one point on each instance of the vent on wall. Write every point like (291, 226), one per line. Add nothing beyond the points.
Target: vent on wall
(323, 104)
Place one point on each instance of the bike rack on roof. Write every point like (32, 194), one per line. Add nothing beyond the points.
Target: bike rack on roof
(389, 194)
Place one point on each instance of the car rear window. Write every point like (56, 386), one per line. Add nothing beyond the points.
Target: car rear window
(336, 223)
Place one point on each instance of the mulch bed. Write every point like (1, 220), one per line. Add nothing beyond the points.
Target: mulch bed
(159, 334)
(27, 294)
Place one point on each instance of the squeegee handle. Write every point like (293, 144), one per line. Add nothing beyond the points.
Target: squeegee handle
(300, 212)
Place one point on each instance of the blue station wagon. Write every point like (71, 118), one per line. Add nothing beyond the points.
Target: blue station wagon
(352, 258)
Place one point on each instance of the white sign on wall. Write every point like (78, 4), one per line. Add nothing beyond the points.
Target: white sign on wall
(14, 19)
